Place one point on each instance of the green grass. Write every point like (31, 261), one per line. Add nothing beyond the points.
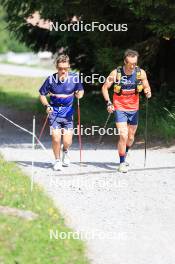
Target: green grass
(23, 241)
(161, 126)
(22, 93)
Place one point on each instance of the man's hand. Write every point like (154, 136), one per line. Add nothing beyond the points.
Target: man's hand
(110, 107)
(49, 109)
(79, 94)
(147, 93)
(146, 86)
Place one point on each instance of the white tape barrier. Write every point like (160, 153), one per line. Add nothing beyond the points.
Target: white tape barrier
(27, 131)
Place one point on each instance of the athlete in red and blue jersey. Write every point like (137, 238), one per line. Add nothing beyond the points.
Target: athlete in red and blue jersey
(62, 87)
(128, 81)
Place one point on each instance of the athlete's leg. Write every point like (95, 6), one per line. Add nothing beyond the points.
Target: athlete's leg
(123, 137)
(132, 127)
(121, 124)
(55, 131)
(67, 133)
(56, 142)
(67, 138)
(67, 141)
(131, 134)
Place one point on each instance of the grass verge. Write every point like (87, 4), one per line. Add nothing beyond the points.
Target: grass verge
(20, 92)
(23, 241)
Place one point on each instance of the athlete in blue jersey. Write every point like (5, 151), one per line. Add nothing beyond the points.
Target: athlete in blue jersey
(62, 87)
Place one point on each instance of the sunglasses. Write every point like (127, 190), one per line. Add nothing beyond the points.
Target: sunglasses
(63, 68)
(131, 64)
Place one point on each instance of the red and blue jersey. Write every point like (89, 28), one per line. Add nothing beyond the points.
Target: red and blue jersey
(128, 100)
(61, 93)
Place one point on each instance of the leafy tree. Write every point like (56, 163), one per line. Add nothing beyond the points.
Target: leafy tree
(151, 28)
(7, 40)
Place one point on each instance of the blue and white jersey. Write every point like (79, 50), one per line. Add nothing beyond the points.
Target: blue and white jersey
(61, 93)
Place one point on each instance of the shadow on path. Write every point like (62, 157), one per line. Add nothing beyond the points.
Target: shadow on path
(108, 167)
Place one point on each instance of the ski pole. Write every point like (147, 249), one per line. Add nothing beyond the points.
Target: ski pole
(42, 129)
(79, 128)
(101, 136)
(146, 131)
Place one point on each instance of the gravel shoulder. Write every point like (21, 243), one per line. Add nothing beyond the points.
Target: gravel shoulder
(124, 218)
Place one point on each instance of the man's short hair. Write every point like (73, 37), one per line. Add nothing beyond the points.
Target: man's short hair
(62, 58)
(131, 53)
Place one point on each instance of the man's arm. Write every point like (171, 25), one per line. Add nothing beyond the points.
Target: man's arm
(44, 90)
(106, 86)
(109, 81)
(45, 103)
(146, 86)
(78, 89)
(43, 100)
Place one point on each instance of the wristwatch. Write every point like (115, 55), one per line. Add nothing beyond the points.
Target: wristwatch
(46, 106)
(109, 103)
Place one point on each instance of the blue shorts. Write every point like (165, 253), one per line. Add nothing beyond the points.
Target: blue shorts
(57, 122)
(130, 117)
